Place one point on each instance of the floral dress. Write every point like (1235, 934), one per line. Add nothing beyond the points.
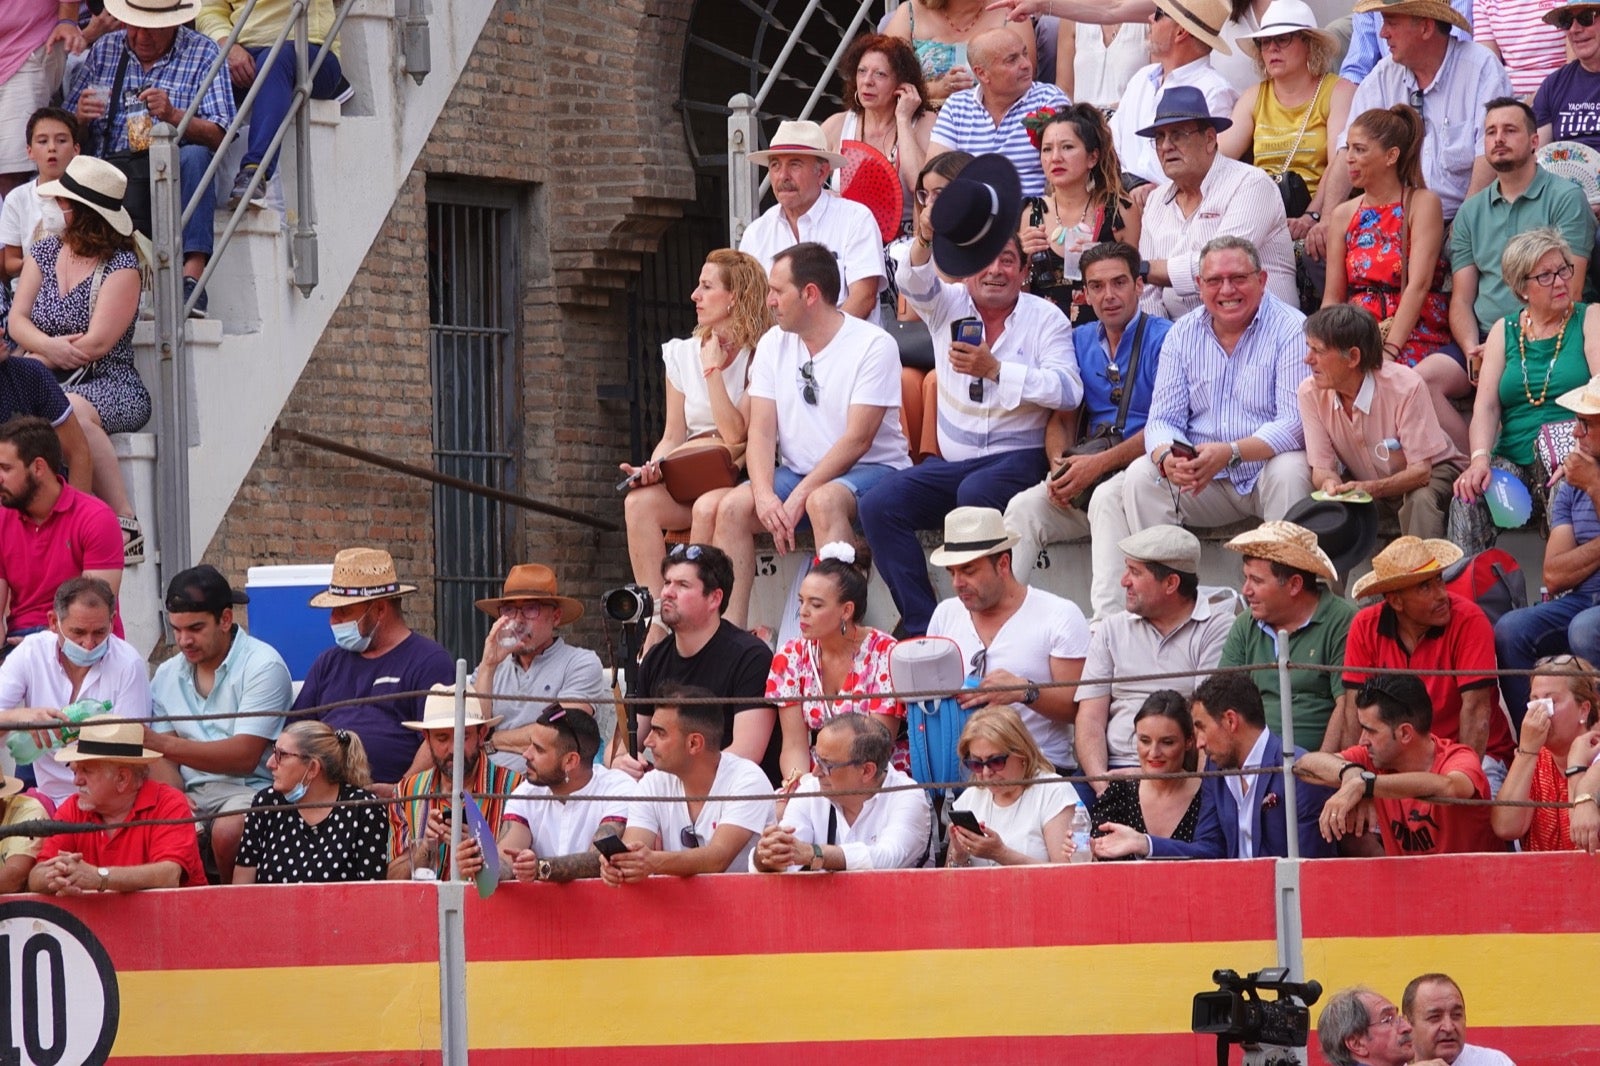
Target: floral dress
(1373, 256)
(110, 384)
(796, 674)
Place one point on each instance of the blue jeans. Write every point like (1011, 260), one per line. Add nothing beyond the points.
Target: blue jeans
(1569, 623)
(277, 90)
(918, 498)
(198, 233)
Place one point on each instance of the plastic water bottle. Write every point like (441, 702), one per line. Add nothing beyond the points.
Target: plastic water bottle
(1080, 836)
(21, 743)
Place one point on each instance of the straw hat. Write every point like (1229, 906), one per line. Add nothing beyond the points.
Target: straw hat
(111, 741)
(1286, 543)
(1554, 13)
(1284, 17)
(1202, 18)
(1585, 399)
(798, 138)
(439, 711)
(359, 575)
(153, 14)
(530, 582)
(10, 786)
(1438, 10)
(97, 185)
(1408, 561)
(971, 533)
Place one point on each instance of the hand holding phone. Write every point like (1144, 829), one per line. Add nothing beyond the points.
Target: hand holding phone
(968, 821)
(610, 846)
(1183, 449)
(967, 331)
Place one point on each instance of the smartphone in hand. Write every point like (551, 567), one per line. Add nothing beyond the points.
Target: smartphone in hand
(967, 331)
(966, 820)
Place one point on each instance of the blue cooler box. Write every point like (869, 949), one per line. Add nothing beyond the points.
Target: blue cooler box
(279, 613)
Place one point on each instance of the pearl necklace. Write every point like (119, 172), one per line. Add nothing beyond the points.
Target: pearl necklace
(1522, 354)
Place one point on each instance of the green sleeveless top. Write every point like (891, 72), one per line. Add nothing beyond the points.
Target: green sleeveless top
(1536, 373)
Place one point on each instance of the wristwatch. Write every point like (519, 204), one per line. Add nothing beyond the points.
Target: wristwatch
(1236, 457)
(489, 747)
(543, 871)
(1369, 781)
(1315, 216)
(816, 858)
(105, 879)
(1583, 797)
(1030, 695)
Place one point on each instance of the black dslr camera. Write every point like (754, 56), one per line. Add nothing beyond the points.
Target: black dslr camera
(1238, 1015)
(629, 604)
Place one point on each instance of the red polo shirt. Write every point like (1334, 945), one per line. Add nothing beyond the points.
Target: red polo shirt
(1417, 827)
(136, 845)
(81, 533)
(1465, 643)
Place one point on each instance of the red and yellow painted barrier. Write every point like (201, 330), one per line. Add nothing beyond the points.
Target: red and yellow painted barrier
(1045, 964)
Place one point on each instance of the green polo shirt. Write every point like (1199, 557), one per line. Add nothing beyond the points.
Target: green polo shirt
(1320, 641)
(1488, 220)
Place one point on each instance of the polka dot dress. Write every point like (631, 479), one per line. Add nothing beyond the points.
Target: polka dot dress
(350, 844)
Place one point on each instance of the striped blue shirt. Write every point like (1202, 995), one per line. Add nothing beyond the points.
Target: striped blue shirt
(965, 125)
(179, 72)
(1204, 394)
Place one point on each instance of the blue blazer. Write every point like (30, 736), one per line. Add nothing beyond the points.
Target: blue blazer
(1217, 834)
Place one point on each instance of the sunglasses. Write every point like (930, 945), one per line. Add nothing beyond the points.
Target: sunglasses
(689, 838)
(690, 552)
(1586, 17)
(1281, 41)
(975, 390)
(993, 764)
(979, 664)
(824, 767)
(808, 382)
(1114, 375)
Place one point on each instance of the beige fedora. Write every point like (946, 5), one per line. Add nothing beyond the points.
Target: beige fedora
(531, 582)
(1408, 561)
(153, 14)
(96, 184)
(1438, 10)
(112, 741)
(1583, 400)
(359, 575)
(1286, 543)
(798, 138)
(439, 711)
(1202, 18)
(10, 786)
(971, 533)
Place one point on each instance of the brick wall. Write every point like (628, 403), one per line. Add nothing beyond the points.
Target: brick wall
(576, 108)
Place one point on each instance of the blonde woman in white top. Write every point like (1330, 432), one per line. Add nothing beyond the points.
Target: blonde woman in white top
(707, 373)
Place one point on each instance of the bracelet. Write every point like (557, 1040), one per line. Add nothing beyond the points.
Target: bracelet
(67, 22)
(922, 243)
(1477, 452)
(1574, 771)
(1529, 754)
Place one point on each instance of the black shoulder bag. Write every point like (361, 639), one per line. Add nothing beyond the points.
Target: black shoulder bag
(1106, 437)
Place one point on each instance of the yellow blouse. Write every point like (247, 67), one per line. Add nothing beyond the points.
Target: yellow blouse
(1277, 127)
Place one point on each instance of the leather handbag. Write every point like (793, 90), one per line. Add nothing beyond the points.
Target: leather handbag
(1291, 186)
(699, 465)
(1106, 437)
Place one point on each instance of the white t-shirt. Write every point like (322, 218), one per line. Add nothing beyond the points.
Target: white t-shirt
(1045, 627)
(861, 365)
(1021, 825)
(560, 827)
(32, 676)
(1482, 1056)
(26, 217)
(736, 776)
(682, 357)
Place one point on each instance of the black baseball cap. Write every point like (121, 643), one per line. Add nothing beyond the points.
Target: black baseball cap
(202, 588)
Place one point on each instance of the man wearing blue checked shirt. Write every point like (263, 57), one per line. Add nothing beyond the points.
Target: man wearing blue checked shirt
(1224, 440)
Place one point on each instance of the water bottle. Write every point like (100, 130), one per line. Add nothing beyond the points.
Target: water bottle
(21, 743)
(1080, 836)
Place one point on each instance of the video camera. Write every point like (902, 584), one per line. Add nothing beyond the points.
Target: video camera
(1238, 1015)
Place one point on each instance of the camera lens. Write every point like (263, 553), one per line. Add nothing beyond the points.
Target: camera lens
(630, 603)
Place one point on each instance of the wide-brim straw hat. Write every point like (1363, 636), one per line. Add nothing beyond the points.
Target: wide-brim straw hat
(439, 711)
(1555, 12)
(95, 184)
(530, 582)
(1284, 17)
(798, 138)
(1585, 399)
(971, 533)
(1202, 18)
(1286, 543)
(153, 14)
(1438, 10)
(360, 575)
(111, 741)
(1408, 561)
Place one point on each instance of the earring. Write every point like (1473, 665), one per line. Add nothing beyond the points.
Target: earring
(844, 627)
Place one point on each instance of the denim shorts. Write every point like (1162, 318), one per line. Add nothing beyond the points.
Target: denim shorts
(858, 479)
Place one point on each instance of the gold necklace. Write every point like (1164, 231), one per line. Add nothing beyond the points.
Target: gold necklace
(1522, 354)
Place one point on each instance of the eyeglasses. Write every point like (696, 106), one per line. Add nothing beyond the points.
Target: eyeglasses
(808, 382)
(1157, 15)
(1167, 136)
(1388, 1017)
(1586, 17)
(690, 552)
(1216, 281)
(979, 664)
(926, 197)
(524, 610)
(825, 767)
(993, 764)
(1113, 374)
(279, 754)
(1283, 40)
(1548, 278)
(689, 838)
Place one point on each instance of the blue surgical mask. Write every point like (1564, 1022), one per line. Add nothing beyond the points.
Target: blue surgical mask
(78, 655)
(348, 636)
(297, 793)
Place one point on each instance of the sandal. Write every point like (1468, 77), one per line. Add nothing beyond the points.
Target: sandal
(132, 541)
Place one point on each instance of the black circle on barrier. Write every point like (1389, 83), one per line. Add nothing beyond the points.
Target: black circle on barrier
(47, 930)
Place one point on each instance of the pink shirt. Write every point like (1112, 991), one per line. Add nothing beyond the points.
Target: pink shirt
(1392, 403)
(25, 26)
(80, 534)
(1531, 48)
